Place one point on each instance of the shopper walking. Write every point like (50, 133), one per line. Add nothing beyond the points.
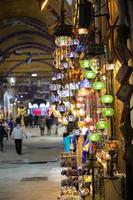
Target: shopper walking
(18, 134)
(42, 123)
(2, 133)
(48, 124)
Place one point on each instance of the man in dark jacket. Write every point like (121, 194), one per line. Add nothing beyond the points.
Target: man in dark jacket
(2, 132)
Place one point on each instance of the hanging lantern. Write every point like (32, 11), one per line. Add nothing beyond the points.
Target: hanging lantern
(70, 117)
(85, 84)
(89, 74)
(88, 119)
(64, 121)
(107, 112)
(58, 75)
(79, 105)
(81, 124)
(61, 107)
(63, 41)
(85, 63)
(94, 65)
(56, 113)
(94, 137)
(83, 92)
(98, 85)
(107, 99)
(80, 99)
(71, 55)
(64, 64)
(81, 112)
(55, 98)
(102, 124)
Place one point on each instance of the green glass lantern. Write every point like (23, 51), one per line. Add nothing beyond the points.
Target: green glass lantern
(102, 124)
(107, 99)
(89, 74)
(94, 137)
(85, 63)
(98, 85)
(107, 112)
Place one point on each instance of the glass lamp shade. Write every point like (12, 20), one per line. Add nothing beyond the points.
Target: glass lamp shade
(63, 41)
(107, 112)
(94, 137)
(98, 85)
(89, 74)
(107, 99)
(85, 84)
(85, 63)
(83, 92)
(102, 124)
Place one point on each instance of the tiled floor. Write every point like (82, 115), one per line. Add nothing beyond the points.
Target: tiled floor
(40, 159)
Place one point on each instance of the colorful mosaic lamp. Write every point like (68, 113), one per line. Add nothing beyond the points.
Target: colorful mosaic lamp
(89, 74)
(107, 99)
(98, 85)
(102, 124)
(94, 137)
(107, 112)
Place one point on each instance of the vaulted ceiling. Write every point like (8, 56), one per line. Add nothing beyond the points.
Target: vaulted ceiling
(26, 44)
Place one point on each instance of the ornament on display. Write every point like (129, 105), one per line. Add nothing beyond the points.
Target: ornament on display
(98, 85)
(102, 124)
(107, 99)
(107, 112)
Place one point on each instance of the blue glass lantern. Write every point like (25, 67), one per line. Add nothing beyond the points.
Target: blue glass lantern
(85, 84)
